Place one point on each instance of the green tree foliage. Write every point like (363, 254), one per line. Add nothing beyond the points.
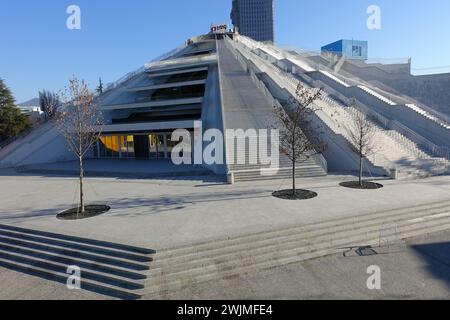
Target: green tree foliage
(12, 122)
(6, 98)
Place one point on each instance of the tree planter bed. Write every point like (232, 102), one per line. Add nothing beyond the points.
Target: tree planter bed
(90, 211)
(366, 185)
(299, 194)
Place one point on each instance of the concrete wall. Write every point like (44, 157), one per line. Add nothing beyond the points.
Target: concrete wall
(45, 145)
(56, 150)
(377, 71)
(212, 116)
(418, 123)
(432, 90)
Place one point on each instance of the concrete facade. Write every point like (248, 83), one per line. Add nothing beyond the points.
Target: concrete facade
(431, 90)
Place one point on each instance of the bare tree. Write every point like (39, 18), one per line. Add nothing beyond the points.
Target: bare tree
(80, 122)
(362, 135)
(100, 89)
(299, 141)
(49, 103)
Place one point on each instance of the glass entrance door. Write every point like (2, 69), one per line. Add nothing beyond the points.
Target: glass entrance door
(141, 147)
(156, 146)
(134, 146)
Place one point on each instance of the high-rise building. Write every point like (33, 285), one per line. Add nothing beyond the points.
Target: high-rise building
(254, 18)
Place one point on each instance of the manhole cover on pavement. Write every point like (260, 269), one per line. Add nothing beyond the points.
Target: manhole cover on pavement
(366, 252)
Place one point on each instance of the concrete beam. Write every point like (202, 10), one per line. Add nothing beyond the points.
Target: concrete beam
(170, 73)
(168, 85)
(180, 63)
(153, 104)
(149, 126)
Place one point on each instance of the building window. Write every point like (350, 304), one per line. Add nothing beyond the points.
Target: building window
(357, 51)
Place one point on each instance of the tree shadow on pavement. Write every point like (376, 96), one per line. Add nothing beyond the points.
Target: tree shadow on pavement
(133, 207)
(164, 204)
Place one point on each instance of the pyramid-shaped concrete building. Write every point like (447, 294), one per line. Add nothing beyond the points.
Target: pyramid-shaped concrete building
(228, 81)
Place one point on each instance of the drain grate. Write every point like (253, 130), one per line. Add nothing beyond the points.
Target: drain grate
(366, 252)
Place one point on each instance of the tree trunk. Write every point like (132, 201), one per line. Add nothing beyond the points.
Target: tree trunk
(293, 178)
(361, 170)
(82, 209)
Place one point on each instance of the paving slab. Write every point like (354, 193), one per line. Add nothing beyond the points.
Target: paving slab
(159, 214)
(407, 273)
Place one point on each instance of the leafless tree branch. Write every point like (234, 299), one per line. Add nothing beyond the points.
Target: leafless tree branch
(298, 139)
(362, 135)
(80, 122)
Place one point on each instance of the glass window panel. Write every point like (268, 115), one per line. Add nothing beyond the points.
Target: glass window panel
(108, 146)
(115, 146)
(130, 141)
(102, 147)
(153, 146)
(95, 150)
(122, 147)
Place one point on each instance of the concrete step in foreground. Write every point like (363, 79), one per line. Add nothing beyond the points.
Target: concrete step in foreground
(127, 272)
(110, 269)
(283, 173)
(176, 268)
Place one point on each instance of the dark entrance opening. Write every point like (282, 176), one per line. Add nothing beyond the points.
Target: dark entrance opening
(141, 147)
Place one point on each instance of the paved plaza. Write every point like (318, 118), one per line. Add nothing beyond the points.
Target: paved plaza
(160, 214)
(166, 213)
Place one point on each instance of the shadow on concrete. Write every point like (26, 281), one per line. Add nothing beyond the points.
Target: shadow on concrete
(133, 207)
(29, 213)
(175, 203)
(112, 269)
(436, 182)
(119, 169)
(437, 257)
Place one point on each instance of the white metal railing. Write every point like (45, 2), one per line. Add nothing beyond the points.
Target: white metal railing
(389, 124)
(425, 111)
(418, 140)
(377, 95)
(437, 151)
(293, 82)
(319, 158)
(405, 143)
(334, 78)
(429, 113)
(253, 75)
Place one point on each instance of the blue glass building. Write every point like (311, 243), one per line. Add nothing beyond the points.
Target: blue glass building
(351, 49)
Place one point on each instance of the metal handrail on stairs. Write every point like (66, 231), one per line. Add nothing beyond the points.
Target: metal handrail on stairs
(319, 158)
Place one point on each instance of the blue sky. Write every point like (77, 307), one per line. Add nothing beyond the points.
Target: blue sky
(38, 51)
